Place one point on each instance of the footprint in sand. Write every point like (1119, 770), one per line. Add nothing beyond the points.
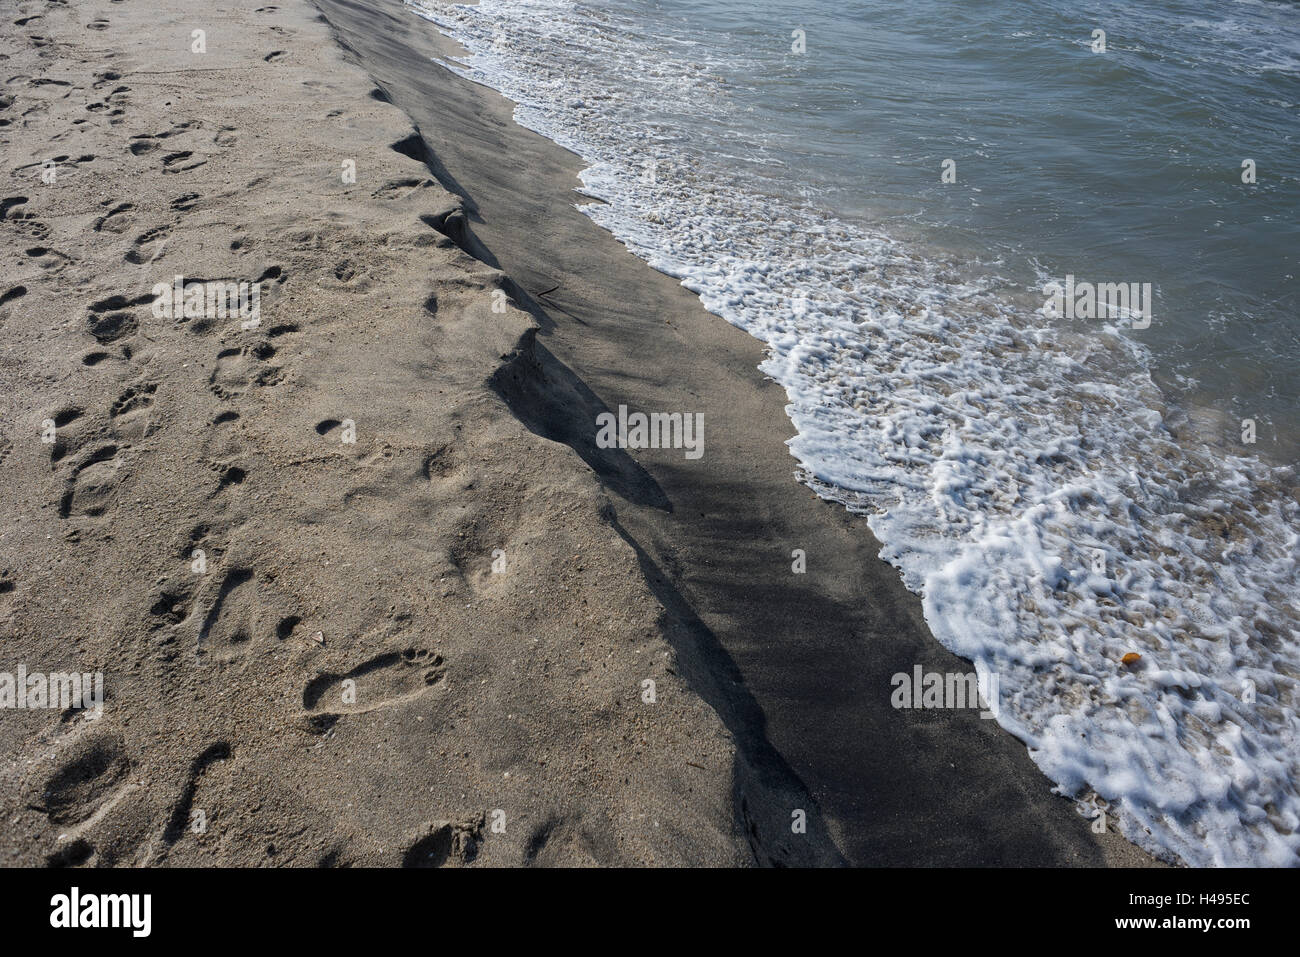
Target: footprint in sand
(95, 356)
(108, 106)
(229, 474)
(232, 621)
(172, 602)
(181, 161)
(91, 491)
(11, 294)
(444, 844)
(401, 188)
(68, 440)
(13, 211)
(384, 681)
(114, 318)
(114, 221)
(171, 606)
(135, 399)
(91, 780)
(143, 143)
(238, 370)
(112, 326)
(444, 462)
(181, 822)
(148, 245)
(239, 614)
(51, 260)
(91, 799)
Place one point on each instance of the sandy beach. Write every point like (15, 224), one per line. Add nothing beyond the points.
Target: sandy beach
(363, 585)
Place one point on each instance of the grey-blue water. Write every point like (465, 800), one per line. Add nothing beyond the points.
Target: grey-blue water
(1122, 165)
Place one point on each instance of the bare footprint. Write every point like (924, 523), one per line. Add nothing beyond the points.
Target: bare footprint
(444, 844)
(92, 489)
(180, 822)
(85, 780)
(113, 318)
(401, 188)
(114, 221)
(148, 245)
(382, 682)
(235, 619)
(136, 398)
(180, 162)
(238, 370)
(48, 259)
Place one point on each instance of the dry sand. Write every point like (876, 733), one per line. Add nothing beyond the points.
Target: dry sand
(455, 311)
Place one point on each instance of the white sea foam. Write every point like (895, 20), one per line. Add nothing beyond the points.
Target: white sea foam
(994, 453)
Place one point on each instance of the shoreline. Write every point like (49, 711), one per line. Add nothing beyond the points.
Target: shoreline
(363, 586)
(809, 697)
(928, 412)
